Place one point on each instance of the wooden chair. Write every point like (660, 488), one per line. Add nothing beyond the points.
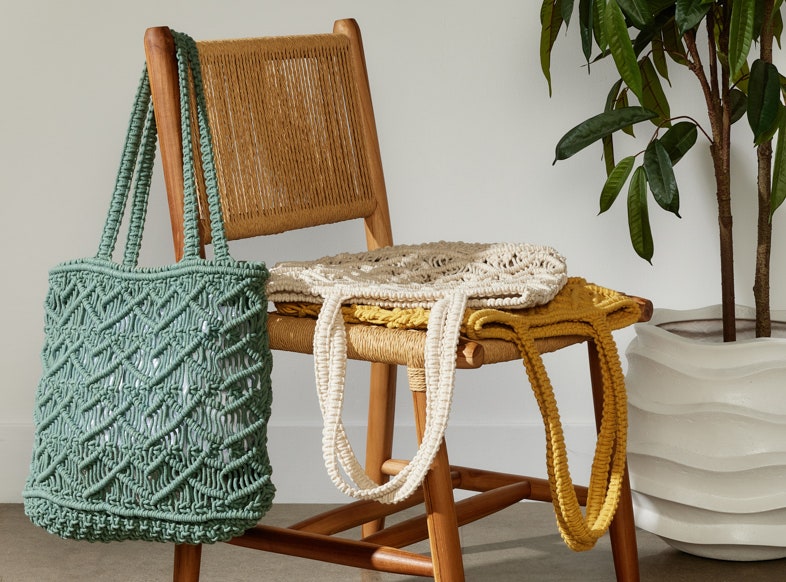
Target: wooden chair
(296, 146)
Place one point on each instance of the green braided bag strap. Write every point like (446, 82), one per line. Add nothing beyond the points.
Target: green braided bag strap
(188, 58)
(139, 145)
(138, 158)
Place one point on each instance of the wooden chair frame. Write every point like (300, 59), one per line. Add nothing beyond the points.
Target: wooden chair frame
(380, 547)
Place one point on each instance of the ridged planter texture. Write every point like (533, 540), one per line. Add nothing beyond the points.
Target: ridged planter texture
(707, 436)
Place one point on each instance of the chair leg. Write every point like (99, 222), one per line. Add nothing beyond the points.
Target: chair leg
(440, 507)
(379, 436)
(187, 562)
(623, 529)
(623, 538)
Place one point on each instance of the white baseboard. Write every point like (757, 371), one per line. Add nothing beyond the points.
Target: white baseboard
(296, 455)
(16, 444)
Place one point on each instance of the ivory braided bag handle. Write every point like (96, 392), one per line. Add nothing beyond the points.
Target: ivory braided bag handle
(446, 277)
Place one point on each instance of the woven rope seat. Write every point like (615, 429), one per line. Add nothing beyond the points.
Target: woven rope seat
(404, 328)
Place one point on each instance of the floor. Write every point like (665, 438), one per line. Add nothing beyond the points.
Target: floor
(520, 543)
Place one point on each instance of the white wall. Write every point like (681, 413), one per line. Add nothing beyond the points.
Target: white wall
(467, 133)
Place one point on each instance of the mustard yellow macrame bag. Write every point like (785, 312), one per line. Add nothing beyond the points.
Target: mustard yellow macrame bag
(579, 309)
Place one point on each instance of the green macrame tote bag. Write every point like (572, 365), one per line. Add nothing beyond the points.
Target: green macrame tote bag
(152, 409)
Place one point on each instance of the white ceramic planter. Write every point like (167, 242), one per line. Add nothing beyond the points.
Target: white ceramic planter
(707, 436)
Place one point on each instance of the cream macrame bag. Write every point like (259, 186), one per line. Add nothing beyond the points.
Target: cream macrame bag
(445, 277)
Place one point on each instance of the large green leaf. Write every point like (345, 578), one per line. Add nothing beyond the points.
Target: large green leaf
(622, 103)
(611, 98)
(550, 23)
(778, 193)
(651, 32)
(638, 11)
(644, 39)
(566, 11)
(679, 139)
(608, 153)
(638, 216)
(597, 127)
(764, 98)
(659, 58)
(617, 99)
(598, 19)
(652, 92)
(657, 6)
(672, 41)
(771, 133)
(614, 183)
(758, 19)
(739, 104)
(622, 48)
(585, 27)
(660, 175)
(743, 14)
(689, 13)
(758, 22)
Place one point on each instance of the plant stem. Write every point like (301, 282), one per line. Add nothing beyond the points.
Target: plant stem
(723, 172)
(716, 94)
(761, 286)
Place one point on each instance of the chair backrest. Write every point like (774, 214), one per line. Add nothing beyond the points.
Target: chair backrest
(294, 136)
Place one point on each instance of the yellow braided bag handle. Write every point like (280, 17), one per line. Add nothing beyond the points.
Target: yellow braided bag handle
(588, 311)
(579, 533)
(580, 309)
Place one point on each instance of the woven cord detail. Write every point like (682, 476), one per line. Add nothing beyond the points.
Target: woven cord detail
(330, 356)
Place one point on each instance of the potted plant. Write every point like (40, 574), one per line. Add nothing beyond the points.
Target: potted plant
(712, 489)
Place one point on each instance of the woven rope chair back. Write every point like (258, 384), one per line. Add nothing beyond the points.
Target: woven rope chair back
(293, 132)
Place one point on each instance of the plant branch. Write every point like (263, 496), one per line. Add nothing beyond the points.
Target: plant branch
(716, 94)
(761, 286)
(689, 118)
(696, 67)
(721, 153)
(713, 55)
